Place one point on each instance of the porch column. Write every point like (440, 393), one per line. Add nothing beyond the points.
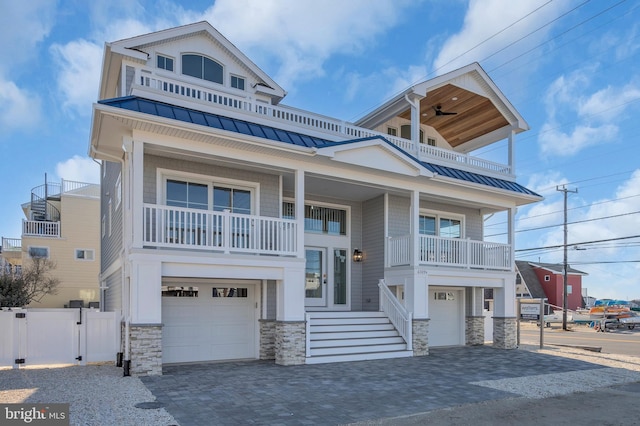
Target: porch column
(135, 150)
(415, 231)
(512, 153)
(290, 327)
(299, 199)
(504, 315)
(414, 101)
(474, 321)
(511, 226)
(145, 325)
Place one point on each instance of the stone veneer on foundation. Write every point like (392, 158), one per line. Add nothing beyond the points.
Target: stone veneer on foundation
(290, 342)
(504, 332)
(420, 337)
(267, 339)
(145, 344)
(474, 331)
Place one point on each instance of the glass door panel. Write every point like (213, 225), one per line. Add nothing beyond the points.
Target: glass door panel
(315, 277)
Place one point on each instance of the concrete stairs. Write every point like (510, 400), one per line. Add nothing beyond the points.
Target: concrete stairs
(352, 336)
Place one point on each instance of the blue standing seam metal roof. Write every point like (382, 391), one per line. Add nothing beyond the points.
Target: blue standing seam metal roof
(161, 109)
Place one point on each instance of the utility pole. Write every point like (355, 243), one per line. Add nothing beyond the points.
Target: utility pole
(564, 265)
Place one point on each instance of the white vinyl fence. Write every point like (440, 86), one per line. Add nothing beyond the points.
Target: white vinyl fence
(57, 336)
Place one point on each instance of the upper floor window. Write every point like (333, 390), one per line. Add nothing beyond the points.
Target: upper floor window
(165, 63)
(237, 82)
(84, 254)
(204, 195)
(430, 141)
(202, 67)
(319, 219)
(39, 252)
(392, 131)
(440, 226)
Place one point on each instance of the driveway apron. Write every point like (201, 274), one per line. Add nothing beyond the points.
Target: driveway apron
(262, 393)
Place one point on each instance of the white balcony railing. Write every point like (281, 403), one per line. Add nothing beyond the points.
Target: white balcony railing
(314, 122)
(36, 228)
(165, 226)
(456, 252)
(11, 244)
(397, 314)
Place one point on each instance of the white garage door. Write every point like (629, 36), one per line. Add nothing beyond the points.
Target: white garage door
(446, 319)
(208, 322)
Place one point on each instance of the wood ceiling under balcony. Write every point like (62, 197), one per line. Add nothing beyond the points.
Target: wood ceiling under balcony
(476, 115)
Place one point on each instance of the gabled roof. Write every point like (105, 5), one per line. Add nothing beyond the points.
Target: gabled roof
(134, 48)
(556, 268)
(483, 114)
(187, 115)
(530, 279)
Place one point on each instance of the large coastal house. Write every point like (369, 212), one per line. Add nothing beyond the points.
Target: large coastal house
(236, 227)
(61, 224)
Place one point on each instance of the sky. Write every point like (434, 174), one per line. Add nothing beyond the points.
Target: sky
(570, 67)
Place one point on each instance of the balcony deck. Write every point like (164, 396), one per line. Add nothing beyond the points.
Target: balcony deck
(147, 84)
(183, 228)
(452, 252)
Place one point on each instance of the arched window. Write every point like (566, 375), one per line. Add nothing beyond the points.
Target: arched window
(202, 67)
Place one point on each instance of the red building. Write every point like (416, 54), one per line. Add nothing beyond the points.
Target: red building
(535, 278)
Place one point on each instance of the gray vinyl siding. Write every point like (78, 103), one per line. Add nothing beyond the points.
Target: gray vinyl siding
(269, 184)
(113, 294)
(271, 300)
(111, 242)
(374, 247)
(399, 216)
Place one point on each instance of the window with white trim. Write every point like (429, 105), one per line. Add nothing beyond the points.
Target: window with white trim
(319, 219)
(164, 62)
(39, 252)
(440, 225)
(198, 192)
(237, 82)
(85, 254)
(392, 131)
(201, 67)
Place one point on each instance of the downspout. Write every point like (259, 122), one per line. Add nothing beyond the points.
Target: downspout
(127, 317)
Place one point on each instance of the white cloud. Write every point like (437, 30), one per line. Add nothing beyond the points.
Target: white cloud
(301, 36)
(555, 142)
(597, 114)
(79, 63)
(19, 108)
(609, 103)
(22, 26)
(79, 169)
(478, 38)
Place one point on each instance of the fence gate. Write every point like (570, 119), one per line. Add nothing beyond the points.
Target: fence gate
(57, 336)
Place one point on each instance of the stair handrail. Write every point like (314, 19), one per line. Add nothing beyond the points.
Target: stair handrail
(401, 319)
(51, 212)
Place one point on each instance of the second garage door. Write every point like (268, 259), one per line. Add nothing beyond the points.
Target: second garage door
(446, 319)
(208, 322)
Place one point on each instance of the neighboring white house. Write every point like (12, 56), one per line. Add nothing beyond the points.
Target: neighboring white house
(235, 227)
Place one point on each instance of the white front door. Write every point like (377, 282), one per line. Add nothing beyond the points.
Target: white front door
(316, 277)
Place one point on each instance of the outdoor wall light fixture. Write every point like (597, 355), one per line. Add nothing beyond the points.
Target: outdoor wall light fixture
(357, 255)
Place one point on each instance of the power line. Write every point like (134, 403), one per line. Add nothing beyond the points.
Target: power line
(568, 223)
(581, 243)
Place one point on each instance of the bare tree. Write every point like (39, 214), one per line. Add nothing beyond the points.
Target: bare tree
(30, 285)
